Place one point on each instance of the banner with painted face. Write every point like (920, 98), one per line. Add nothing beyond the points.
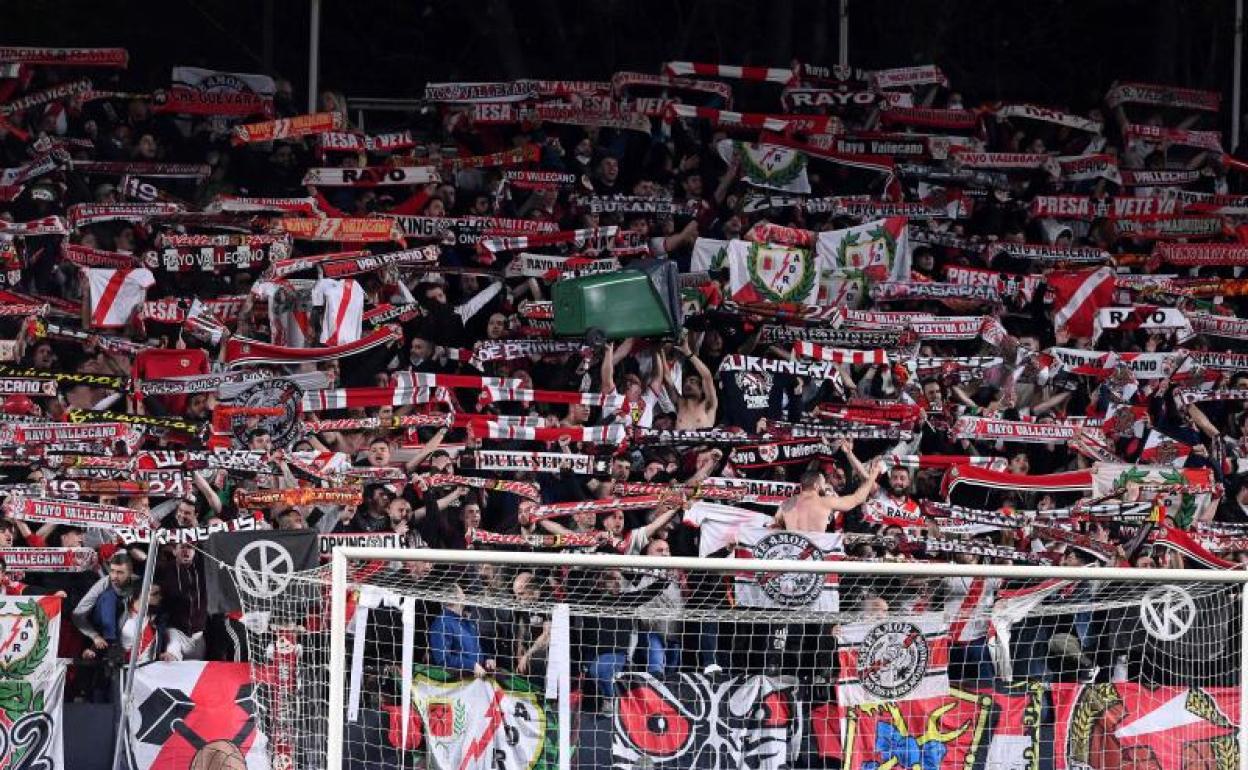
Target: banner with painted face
(698, 721)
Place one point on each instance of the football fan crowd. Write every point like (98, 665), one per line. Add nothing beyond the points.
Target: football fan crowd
(940, 330)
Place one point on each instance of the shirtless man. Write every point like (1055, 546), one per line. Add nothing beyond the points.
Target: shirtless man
(811, 508)
(697, 400)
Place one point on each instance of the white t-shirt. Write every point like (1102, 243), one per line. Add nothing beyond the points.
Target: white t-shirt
(343, 301)
(114, 294)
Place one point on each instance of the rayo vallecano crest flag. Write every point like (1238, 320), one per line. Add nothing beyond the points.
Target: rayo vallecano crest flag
(876, 251)
(32, 682)
(768, 165)
(497, 723)
(766, 271)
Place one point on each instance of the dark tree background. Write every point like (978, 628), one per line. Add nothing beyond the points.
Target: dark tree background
(1049, 51)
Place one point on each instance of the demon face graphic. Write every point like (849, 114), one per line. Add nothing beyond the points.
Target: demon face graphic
(710, 723)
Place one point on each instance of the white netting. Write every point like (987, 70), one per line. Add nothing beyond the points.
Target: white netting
(669, 669)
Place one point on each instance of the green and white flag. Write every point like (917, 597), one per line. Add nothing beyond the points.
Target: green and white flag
(494, 723)
(768, 165)
(32, 682)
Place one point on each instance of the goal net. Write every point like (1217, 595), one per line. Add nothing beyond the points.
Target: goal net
(481, 661)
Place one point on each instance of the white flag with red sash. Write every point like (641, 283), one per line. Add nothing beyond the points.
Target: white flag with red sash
(1077, 296)
(194, 714)
(114, 294)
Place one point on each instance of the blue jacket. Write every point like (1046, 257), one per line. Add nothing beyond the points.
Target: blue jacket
(455, 642)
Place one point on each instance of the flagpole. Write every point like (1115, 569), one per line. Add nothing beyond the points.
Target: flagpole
(314, 52)
(126, 688)
(1243, 643)
(1237, 74)
(843, 51)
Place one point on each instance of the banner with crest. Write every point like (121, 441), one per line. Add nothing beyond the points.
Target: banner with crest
(32, 683)
(769, 272)
(768, 165)
(872, 252)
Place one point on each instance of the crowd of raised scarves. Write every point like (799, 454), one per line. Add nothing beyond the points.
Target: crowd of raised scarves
(221, 314)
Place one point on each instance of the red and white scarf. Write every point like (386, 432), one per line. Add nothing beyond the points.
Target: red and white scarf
(530, 153)
(49, 559)
(1175, 228)
(349, 230)
(555, 510)
(1048, 115)
(1162, 178)
(802, 124)
(602, 434)
(242, 351)
(534, 462)
(958, 120)
(52, 225)
(479, 537)
(298, 496)
(832, 355)
(155, 169)
(78, 513)
(1083, 208)
(986, 429)
(908, 77)
(305, 207)
(378, 423)
(1039, 252)
(377, 176)
(359, 398)
(780, 75)
(461, 93)
(540, 180)
(95, 213)
(1219, 326)
(906, 291)
(288, 128)
(66, 57)
(341, 141)
(1202, 254)
(500, 389)
(1203, 140)
(1163, 96)
(85, 256)
(597, 237)
(340, 266)
(624, 81)
(525, 489)
(1087, 168)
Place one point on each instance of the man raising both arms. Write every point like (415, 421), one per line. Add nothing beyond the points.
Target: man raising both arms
(697, 400)
(812, 507)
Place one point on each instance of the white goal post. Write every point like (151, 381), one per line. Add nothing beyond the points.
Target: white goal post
(1200, 583)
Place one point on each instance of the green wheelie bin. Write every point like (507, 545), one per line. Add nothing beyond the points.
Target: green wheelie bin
(641, 300)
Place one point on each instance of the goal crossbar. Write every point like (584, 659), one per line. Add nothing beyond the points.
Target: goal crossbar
(342, 557)
(903, 569)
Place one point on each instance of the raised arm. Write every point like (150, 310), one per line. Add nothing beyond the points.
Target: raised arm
(207, 490)
(664, 375)
(860, 495)
(860, 470)
(660, 520)
(429, 448)
(608, 368)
